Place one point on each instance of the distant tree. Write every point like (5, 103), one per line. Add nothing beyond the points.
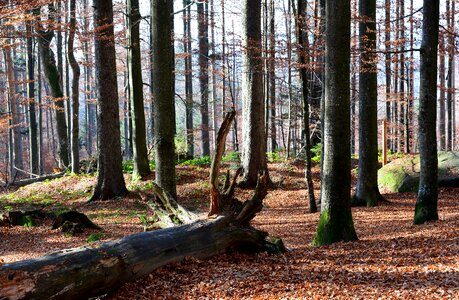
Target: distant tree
(53, 76)
(253, 145)
(335, 222)
(139, 137)
(110, 180)
(74, 120)
(426, 202)
(367, 192)
(188, 78)
(164, 92)
(203, 29)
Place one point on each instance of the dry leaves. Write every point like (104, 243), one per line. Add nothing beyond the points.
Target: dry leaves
(392, 259)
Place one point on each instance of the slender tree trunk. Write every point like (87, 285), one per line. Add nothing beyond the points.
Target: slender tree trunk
(272, 75)
(303, 58)
(74, 120)
(139, 137)
(53, 78)
(441, 107)
(450, 76)
(214, 72)
(335, 222)
(203, 29)
(426, 202)
(254, 147)
(110, 180)
(33, 126)
(367, 192)
(188, 78)
(387, 42)
(164, 87)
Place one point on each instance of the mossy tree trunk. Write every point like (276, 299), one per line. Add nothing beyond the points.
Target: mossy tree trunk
(110, 180)
(139, 137)
(367, 192)
(164, 93)
(335, 222)
(426, 202)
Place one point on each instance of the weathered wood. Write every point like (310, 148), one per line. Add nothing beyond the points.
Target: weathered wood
(90, 271)
(28, 181)
(215, 193)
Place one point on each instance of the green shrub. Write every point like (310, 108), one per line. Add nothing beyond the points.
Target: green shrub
(275, 157)
(198, 161)
(232, 156)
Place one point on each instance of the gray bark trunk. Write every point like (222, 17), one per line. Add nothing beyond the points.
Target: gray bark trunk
(367, 192)
(253, 147)
(335, 222)
(110, 180)
(164, 91)
(139, 137)
(426, 202)
(203, 29)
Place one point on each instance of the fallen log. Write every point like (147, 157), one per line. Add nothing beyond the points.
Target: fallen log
(91, 271)
(28, 181)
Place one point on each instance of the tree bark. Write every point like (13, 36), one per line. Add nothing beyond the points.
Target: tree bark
(441, 100)
(75, 116)
(253, 147)
(110, 180)
(335, 222)
(164, 91)
(304, 60)
(203, 29)
(33, 126)
(188, 78)
(367, 192)
(139, 137)
(53, 78)
(426, 202)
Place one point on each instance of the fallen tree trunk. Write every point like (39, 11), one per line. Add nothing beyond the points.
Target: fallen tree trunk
(87, 271)
(28, 181)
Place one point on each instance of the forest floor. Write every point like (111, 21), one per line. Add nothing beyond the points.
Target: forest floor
(392, 258)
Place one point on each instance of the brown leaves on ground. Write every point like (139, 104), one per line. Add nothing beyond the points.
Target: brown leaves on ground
(392, 259)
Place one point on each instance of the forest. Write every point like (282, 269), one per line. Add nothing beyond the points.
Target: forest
(204, 149)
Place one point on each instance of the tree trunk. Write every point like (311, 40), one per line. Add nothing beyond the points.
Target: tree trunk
(303, 57)
(450, 75)
(139, 137)
(253, 147)
(164, 92)
(441, 100)
(33, 126)
(110, 180)
(188, 78)
(74, 120)
(53, 78)
(272, 75)
(367, 192)
(426, 202)
(203, 29)
(388, 68)
(335, 222)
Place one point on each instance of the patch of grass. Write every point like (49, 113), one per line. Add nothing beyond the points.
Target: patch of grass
(94, 237)
(198, 161)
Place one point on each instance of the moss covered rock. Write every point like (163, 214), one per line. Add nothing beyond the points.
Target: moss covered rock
(402, 175)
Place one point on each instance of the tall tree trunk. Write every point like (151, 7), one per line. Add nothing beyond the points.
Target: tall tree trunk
(402, 104)
(33, 126)
(387, 42)
(253, 147)
(214, 72)
(53, 78)
(450, 76)
(203, 29)
(335, 222)
(110, 180)
(367, 192)
(272, 75)
(139, 137)
(426, 202)
(75, 116)
(304, 60)
(164, 88)
(188, 78)
(441, 107)
(288, 30)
